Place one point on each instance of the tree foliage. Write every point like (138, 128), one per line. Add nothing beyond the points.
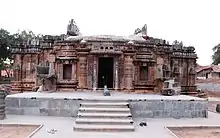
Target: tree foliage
(24, 36)
(216, 55)
(8, 40)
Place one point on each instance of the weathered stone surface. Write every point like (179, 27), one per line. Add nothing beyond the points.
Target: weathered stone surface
(141, 108)
(169, 108)
(49, 54)
(15, 111)
(12, 102)
(42, 107)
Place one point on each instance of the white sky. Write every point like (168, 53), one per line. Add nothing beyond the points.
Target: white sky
(195, 22)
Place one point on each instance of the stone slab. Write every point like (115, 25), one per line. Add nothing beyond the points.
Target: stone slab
(153, 106)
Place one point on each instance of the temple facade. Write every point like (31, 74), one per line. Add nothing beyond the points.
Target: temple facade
(123, 63)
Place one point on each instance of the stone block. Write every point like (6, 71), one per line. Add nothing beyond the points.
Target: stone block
(54, 112)
(56, 103)
(194, 114)
(32, 111)
(204, 113)
(199, 106)
(157, 113)
(62, 104)
(168, 105)
(165, 113)
(27, 102)
(12, 102)
(44, 111)
(185, 114)
(178, 105)
(175, 114)
(192, 106)
(14, 111)
(141, 114)
(66, 113)
(160, 105)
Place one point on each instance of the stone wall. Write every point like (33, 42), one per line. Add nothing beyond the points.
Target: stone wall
(169, 108)
(42, 107)
(139, 108)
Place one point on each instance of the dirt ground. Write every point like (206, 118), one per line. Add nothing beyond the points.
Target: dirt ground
(212, 106)
(196, 132)
(213, 94)
(16, 131)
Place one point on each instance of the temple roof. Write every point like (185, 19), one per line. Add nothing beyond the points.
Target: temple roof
(138, 38)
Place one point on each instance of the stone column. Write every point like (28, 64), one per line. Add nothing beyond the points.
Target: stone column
(60, 74)
(116, 73)
(94, 74)
(82, 71)
(74, 71)
(128, 72)
(29, 71)
(151, 73)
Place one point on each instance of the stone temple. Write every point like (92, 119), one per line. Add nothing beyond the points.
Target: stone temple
(71, 62)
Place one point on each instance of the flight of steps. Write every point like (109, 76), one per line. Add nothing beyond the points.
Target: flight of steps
(104, 116)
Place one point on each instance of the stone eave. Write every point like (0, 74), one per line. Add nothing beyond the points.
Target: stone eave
(66, 58)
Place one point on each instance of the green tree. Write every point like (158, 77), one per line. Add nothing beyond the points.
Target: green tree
(24, 36)
(6, 41)
(216, 55)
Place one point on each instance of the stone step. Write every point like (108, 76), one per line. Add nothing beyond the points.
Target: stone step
(105, 100)
(104, 128)
(105, 104)
(115, 121)
(103, 115)
(106, 109)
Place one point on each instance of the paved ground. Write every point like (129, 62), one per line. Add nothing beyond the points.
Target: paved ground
(64, 127)
(98, 95)
(209, 86)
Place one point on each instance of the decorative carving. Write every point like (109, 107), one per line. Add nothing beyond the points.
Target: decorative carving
(116, 73)
(95, 73)
(72, 28)
(121, 70)
(90, 63)
(142, 31)
(47, 78)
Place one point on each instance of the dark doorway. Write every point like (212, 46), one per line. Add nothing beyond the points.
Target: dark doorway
(105, 72)
(67, 71)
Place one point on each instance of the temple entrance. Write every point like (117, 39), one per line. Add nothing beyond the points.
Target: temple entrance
(105, 72)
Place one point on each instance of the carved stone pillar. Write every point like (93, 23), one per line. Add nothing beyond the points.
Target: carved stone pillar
(82, 71)
(151, 73)
(95, 74)
(29, 71)
(116, 73)
(74, 71)
(51, 68)
(90, 63)
(128, 72)
(60, 74)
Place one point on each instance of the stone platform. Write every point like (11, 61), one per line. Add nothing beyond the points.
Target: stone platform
(66, 104)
